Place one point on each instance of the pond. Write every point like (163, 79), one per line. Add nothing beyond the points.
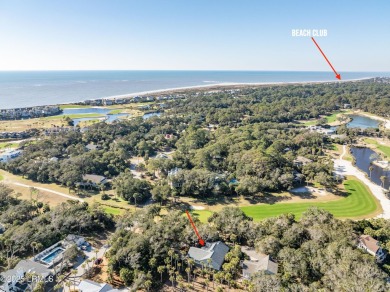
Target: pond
(364, 158)
(93, 110)
(362, 122)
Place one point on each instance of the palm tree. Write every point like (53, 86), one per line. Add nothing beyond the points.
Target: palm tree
(74, 273)
(57, 287)
(172, 279)
(171, 252)
(34, 245)
(383, 179)
(147, 284)
(68, 284)
(176, 257)
(160, 270)
(208, 263)
(188, 270)
(228, 278)
(84, 265)
(135, 197)
(371, 168)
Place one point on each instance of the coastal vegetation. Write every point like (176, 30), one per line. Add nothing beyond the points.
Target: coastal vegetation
(212, 148)
(317, 240)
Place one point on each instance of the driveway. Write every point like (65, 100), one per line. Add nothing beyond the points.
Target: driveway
(91, 253)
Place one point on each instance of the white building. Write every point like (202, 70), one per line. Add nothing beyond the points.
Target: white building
(91, 286)
(370, 245)
(10, 154)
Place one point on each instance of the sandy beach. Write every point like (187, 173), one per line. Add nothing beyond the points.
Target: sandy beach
(227, 86)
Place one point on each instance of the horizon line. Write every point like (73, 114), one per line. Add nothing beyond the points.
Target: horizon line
(184, 70)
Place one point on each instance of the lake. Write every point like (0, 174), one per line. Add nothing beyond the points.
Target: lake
(363, 158)
(362, 122)
(93, 110)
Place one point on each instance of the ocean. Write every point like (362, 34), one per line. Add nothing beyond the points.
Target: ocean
(32, 88)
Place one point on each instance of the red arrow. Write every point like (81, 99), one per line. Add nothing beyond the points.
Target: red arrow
(201, 241)
(338, 76)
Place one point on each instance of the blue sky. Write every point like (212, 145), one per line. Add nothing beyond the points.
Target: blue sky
(192, 35)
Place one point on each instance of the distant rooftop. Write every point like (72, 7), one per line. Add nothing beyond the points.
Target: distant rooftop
(94, 178)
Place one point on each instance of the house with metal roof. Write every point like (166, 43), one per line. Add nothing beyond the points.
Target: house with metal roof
(257, 263)
(93, 180)
(91, 286)
(370, 245)
(211, 255)
(16, 279)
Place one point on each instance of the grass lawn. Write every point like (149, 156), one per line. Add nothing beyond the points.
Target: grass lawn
(1, 177)
(202, 215)
(382, 148)
(112, 210)
(311, 123)
(8, 145)
(332, 118)
(359, 203)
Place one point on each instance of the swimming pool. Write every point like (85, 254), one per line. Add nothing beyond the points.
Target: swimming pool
(50, 257)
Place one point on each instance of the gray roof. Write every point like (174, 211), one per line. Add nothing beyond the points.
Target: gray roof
(94, 178)
(91, 147)
(27, 266)
(265, 264)
(215, 251)
(257, 262)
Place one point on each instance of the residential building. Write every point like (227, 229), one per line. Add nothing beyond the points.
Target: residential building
(301, 161)
(74, 239)
(211, 255)
(108, 102)
(91, 286)
(10, 154)
(372, 246)
(91, 147)
(54, 159)
(93, 180)
(173, 180)
(347, 105)
(257, 263)
(16, 280)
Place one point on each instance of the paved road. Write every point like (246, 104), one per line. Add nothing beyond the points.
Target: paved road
(344, 167)
(47, 190)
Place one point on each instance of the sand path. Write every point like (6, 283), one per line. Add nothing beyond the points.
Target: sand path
(47, 190)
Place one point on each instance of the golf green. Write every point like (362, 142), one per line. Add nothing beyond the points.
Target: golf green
(358, 203)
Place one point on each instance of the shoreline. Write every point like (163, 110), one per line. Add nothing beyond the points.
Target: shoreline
(217, 86)
(386, 122)
(199, 88)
